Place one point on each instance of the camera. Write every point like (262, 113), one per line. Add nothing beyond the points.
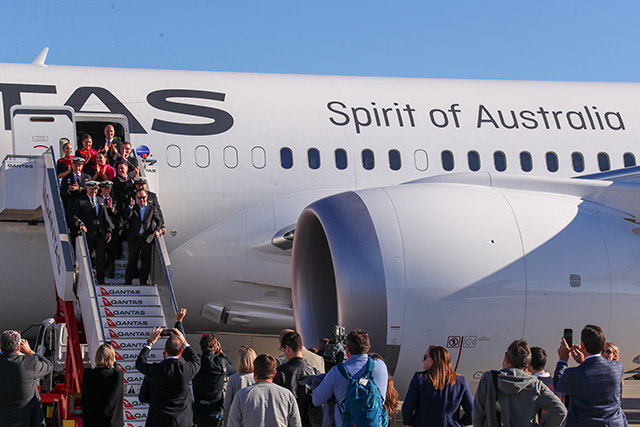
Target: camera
(336, 348)
(167, 333)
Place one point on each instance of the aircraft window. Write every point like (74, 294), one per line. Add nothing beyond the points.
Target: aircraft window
(395, 162)
(230, 155)
(552, 161)
(286, 158)
(313, 156)
(341, 158)
(258, 157)
(500, 161)
(174, 156)
(629, 160)
(368, 159)
(603, 162)
(203, 158)
(578, 161)
(474, 160)
(526, 163)
(421, 160)
(447, 160)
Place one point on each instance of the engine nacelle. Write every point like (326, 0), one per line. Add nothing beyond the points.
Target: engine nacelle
(466, 265)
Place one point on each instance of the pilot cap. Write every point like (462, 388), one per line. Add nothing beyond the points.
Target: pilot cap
(78, 160)
(93, 184)
(140, 180)
(106, 184)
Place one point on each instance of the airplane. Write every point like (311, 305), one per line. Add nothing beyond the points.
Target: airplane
(463, 213)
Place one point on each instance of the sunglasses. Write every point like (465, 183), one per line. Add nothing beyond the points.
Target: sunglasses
(425, 357)
(141, 198)
(607, 352)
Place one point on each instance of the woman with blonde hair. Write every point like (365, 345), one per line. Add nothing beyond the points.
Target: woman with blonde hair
(611, 351)
(103, 391)
(435, 394)
(241, 379)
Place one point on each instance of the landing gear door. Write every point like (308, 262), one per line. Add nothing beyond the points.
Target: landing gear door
(35, 129)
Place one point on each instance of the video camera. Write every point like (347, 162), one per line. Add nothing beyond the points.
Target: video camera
(337, 347)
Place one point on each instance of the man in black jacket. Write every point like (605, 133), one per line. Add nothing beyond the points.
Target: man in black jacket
(171, 405)
(143, 221)
(20, 403)
(90, 215)
(288, 374)
(208, 384)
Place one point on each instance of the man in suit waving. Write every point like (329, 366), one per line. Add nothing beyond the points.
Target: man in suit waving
(144, 223)
(594, 386)
(171, 404)
(90, 215)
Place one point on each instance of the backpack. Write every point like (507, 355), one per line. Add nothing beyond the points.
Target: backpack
(363, 404)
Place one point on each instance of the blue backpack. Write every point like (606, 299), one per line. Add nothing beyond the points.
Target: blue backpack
(363, 404)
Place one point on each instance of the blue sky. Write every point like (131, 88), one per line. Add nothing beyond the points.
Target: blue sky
(544, 40)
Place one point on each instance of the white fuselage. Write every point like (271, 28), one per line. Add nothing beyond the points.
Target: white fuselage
(227, 187)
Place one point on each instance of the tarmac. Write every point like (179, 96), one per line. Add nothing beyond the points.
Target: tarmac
(631, 401)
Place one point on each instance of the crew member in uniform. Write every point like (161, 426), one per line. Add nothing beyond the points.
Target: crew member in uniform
(90, 215)
(72, 187)
(123, 192)
(144, 224)
(112, 245)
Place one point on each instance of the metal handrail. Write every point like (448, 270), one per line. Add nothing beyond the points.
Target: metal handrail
(161, 276)
(84, 265)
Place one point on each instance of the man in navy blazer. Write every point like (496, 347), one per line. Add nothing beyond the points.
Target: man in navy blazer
(594, 385)
(171, 403)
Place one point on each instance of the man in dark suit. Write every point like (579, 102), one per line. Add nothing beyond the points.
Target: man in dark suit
(171, 403)
(594, 386)
(72, 186)
(20, 403)
(141, 184)
(144, 224)
(108, 143)
(90, 215)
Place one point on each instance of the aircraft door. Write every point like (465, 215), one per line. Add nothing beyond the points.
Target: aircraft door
(37, 128)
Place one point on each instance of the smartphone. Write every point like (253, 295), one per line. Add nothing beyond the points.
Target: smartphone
(568, 336)
(166, 333)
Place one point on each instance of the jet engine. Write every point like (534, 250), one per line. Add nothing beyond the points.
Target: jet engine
(470, 262)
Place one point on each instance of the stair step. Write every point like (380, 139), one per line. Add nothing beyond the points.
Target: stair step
(132, 402)
(127, 366)
(120, 281)
(155, 355)
(129, 321)
(115, 312)
(129, 301)
(128, 332)
(134, 415)
(132, 389)
(126, 290)
(133, 343)
(133, 377)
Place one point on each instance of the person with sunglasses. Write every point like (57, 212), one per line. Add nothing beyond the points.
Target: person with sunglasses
(610, 351)
(143, 222)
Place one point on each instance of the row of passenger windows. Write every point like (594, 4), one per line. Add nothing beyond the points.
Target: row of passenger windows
(394, 159)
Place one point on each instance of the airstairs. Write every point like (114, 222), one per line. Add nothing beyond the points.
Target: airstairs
(94, 313)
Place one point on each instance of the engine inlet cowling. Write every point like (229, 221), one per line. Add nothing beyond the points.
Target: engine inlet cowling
(338, 273)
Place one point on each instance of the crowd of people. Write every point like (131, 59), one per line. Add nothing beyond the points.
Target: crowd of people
(188, 389)
(105, 197)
